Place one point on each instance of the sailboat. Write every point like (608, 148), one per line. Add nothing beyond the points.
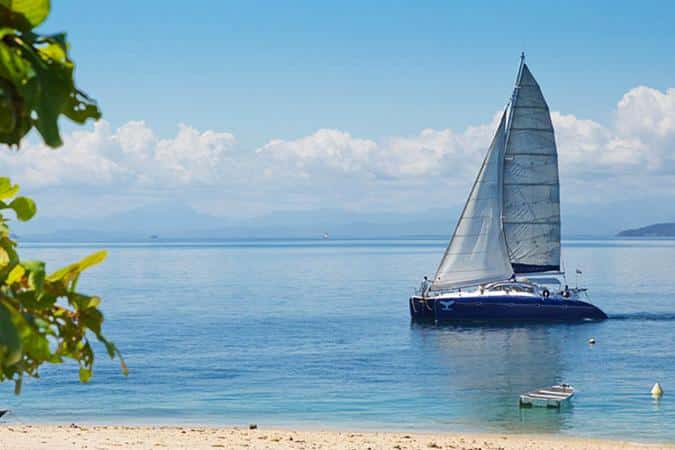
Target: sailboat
(503, 260)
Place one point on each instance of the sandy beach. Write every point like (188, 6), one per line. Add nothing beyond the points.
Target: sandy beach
(173, 437)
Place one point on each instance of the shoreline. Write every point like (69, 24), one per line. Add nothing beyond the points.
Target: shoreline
(43, 436)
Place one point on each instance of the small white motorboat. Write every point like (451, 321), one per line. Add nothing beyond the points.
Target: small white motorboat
(552, 397)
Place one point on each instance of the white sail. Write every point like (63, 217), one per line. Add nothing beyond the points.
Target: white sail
(476, 252)
(531, 193)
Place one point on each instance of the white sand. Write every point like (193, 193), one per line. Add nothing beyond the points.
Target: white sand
(156, 437)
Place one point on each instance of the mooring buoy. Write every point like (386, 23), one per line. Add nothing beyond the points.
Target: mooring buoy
(657, 391)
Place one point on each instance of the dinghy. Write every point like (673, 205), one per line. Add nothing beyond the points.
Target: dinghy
(552, 397)
(503, 260)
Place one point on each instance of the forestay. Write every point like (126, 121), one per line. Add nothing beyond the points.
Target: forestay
(531, 194)
(476, 252)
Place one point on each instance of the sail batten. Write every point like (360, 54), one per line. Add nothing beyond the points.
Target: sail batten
(531, 192)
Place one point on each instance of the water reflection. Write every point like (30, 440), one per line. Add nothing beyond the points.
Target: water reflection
(485, 368)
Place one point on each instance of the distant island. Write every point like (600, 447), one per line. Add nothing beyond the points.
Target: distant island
(655, 230)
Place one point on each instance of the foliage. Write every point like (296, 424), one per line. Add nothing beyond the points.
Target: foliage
(36, 76)
(43, 318)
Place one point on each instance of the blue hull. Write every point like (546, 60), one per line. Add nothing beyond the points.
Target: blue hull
(501, 308)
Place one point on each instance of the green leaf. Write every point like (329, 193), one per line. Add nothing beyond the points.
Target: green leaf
(33, 266)
(92, 318)
(10, 341)
(23, 14)
(8, 112)
(83, 302)
(36, 274)
(36, 77)
(69, 274)
(8, 256)
(4, 258)
(16, 119)
(13, 67)
(53, 51)
(24, 207)
(92, 260)
(65, 274)
(15, 275)
(7, 189)
(93, 302)
(53, 83)
(80, 108)
(112, 352)
(85, 374)
(36, 346)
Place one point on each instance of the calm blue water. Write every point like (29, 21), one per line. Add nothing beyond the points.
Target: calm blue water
(317, 333)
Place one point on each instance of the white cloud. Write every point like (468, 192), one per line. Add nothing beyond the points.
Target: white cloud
(83, 160)
(333, 168)
(193, 156)
(331, 149)
(641, 140)
(131, 154)
(428, 153)
(647, 112)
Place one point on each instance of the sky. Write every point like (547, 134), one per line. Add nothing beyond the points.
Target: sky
(241, 109)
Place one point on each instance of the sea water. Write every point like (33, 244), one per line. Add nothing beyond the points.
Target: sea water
(318, 334)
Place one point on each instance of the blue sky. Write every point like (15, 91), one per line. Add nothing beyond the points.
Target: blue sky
(283, 69)
(255, 73)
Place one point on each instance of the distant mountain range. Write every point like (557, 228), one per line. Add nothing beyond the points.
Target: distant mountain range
(655, 230)
(176, 221)
(172, 222)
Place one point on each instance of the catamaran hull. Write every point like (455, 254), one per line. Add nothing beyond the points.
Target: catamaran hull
(502, 308)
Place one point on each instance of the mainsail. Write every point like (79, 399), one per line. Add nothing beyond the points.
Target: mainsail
(476, 253)
(531, 193)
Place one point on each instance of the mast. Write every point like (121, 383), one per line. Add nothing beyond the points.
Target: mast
(514, 96)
